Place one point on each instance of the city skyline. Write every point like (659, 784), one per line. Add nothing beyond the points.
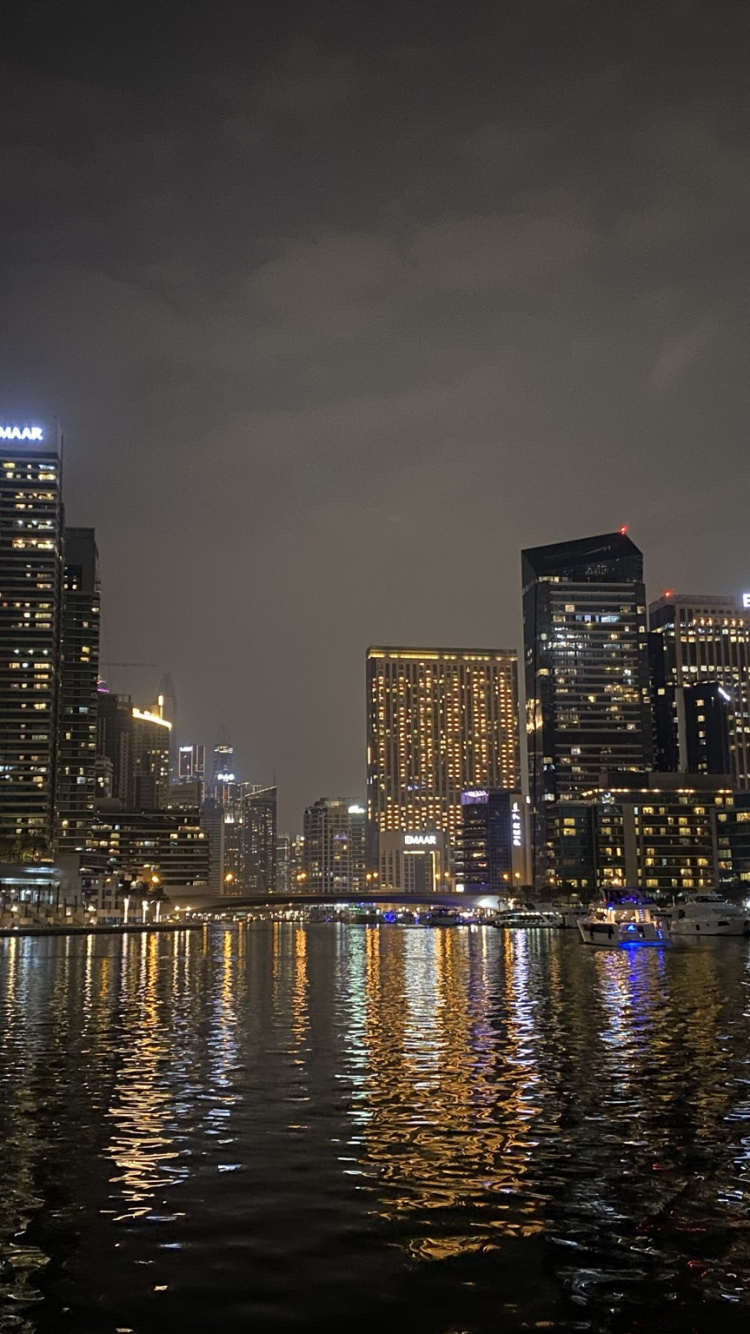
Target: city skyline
(583, 570)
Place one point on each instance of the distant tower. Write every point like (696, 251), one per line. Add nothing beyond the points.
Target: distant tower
(79, 670)
(167, 701)
(223, 771)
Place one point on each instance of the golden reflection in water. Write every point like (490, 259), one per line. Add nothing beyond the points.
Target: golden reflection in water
(300, 1016)
(223, 1039)
(445, 1103)
(141, 1098)
(23, 1145)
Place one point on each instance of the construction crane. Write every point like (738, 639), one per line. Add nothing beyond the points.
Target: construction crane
(128, 664)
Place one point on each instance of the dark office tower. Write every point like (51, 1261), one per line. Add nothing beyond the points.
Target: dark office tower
(587, 691)
(79, 673)
(258, 841)
(191, 764)
(115, 747)
(357, 847)
(30, 595)
(700, 641)
(223, 770)
(283, 864)
(167, 707)
(136, 744)
(492, 845)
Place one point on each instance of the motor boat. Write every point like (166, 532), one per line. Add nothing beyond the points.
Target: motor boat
(571, 915)
(441, 917)
(708, 915)
(626, 919)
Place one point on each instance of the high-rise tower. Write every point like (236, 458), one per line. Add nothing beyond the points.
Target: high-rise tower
(79, 671)
(167, 707)
(439, 721)
(31, 519)
(701, 641)
(587, 689)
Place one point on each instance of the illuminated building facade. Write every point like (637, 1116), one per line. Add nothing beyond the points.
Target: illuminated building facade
(701, 641)
(734, 843)
(492, 847)
(333, 858)
(31, 522)
(662, 832)
(79, 672)
(172, 845)
(439, 721)
(587, 685)
(416, 862)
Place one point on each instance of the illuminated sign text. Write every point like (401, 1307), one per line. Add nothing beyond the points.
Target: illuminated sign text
(21, 433)
(515, 826)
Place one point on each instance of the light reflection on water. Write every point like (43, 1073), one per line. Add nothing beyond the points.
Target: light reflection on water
(296, 1128)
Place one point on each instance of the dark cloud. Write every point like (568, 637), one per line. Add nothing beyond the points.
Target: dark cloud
(340, 310)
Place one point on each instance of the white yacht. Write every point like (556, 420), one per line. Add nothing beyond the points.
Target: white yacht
(627, 919)
(708, 915)
(518, 919)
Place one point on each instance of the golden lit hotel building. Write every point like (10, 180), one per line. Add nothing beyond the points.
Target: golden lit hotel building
(439, 722)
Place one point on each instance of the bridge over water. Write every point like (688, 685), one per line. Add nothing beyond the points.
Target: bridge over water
(254, 902)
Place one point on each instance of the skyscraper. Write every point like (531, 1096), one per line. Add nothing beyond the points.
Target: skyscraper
(31, 520)
(439, 721)
(257, 872)
(694, 641)
(333, 847)
(492, 847)
(79, 672)
(223, 770)
(587, 688)
(283, 864)
(136, 742)
(167, 708)
(191, 764)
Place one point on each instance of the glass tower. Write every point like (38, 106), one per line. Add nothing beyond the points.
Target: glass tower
(587, 689)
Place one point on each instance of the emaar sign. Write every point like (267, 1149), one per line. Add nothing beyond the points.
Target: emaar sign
(21, 433)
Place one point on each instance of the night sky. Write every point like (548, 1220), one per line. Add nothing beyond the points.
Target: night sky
(340, 305)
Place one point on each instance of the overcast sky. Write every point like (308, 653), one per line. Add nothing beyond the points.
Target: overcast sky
(343, 304)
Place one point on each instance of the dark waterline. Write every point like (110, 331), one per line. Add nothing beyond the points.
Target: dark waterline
(332, 1128)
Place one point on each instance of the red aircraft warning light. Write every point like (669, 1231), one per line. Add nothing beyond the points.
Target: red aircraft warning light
(624, 529)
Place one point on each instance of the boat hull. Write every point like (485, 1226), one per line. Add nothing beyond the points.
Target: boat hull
(621, 935)
(692, 930)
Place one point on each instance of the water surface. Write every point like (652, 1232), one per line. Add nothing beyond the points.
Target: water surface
(334, 1128)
